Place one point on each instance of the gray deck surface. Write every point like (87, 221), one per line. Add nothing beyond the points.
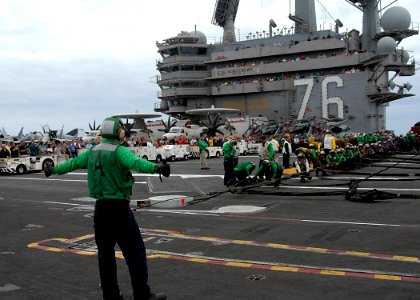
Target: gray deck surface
(298, 247)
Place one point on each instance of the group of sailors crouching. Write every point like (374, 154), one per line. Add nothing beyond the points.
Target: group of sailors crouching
(345, 154)
(241, 173)
(355, 151)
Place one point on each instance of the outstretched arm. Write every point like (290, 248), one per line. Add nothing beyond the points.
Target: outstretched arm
(132, 162)
(79, 162)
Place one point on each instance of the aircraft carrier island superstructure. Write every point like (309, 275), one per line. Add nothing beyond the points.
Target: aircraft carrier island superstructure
(306, 74)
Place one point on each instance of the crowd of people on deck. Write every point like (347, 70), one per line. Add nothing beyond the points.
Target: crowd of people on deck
(321, 152)
(36, 148)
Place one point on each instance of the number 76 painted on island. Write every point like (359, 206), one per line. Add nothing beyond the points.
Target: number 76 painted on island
(325, 100)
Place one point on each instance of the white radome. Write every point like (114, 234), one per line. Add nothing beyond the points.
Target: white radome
(396, 18)
(386, 45)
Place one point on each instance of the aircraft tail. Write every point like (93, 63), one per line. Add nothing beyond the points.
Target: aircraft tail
(20, 134)
(61, 135)
(45, 128)
(4, 133)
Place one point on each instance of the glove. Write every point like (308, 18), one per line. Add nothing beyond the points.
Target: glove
(163, 168)
(48, 169)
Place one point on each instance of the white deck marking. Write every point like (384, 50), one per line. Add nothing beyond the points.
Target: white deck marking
(57, 179)
(218, 213)
(310, 187)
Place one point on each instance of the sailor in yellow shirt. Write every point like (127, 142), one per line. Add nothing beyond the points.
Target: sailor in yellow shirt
(329, 142)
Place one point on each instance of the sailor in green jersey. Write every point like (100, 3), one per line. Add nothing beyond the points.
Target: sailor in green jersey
(243, 171)
(370, 138)
(341, 159)
(332, 159)
(312, 152)
(202, 145)
(349, 156)
(361, 138)
(110, 182)
(412, 139)
(228, 162)
(266, 152)
(272, 170)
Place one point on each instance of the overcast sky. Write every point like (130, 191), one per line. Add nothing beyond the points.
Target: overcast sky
(75, 61)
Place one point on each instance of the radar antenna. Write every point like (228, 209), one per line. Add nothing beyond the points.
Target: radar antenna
(224, 16)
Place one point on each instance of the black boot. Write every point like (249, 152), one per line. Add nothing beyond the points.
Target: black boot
(157, 296)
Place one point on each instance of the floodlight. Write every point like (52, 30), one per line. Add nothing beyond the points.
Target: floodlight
(272, 23)
(391, 84)
(407, 86)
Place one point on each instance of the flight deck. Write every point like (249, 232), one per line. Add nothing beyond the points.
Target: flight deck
(296, 241)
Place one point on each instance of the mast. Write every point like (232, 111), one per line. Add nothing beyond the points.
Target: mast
(224, 16)
(371, 23)
(305, 16)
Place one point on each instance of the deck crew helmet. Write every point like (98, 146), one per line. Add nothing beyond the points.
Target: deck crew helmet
(112, 128)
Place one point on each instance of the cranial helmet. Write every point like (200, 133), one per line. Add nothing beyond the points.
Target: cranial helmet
(112, 128)
(301, 155)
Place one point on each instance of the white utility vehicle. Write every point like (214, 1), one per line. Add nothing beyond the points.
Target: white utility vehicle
(187, 131)
(254, 148)
(24, 164)
(211, 151)
(150, 153)
(173, 152)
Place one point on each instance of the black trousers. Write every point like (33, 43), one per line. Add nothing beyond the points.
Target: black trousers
(228, 165)
(286, 160)
(115, 223)
(240, 175)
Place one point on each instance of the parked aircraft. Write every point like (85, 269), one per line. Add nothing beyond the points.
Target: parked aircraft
(138, 127)
(168, 125)
(186, 131)
(50, 134)
(4, 137)
(93, 134)
(214, 119)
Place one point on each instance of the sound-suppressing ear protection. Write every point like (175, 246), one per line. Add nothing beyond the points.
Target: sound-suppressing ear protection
(112, 128)
(121, 130)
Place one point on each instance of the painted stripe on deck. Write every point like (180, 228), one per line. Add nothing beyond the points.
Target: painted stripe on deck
(174, 234)
(370, 274)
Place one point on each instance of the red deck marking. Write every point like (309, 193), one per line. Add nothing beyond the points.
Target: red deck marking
(312, 271)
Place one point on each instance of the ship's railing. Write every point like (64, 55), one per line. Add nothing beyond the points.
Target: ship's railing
(283, 68)
(183, 75)
(273, 82)
(252, 87)
(184, 91)
(264, 34)
(182, 59)
(278, 49)
(259, 34)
